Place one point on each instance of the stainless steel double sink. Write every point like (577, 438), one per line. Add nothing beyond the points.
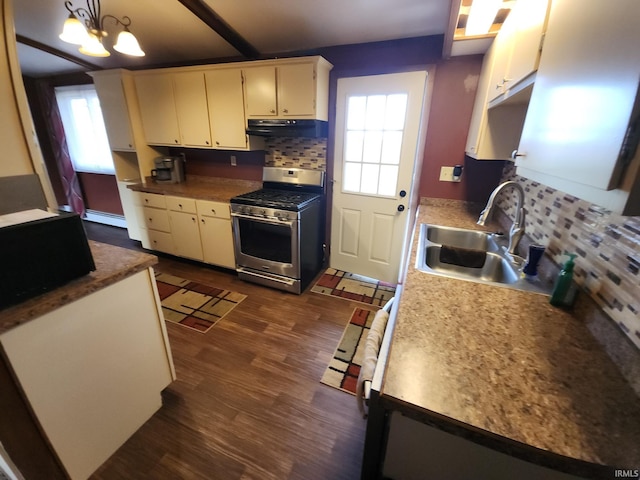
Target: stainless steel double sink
(499, 268)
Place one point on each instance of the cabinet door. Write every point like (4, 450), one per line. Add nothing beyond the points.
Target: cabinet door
(530, 20)
(191, 107)
(186, 235)
(156, 219)
(260, 92)
(226, 109)
(584, 94)
(502, 48)
(158, 109)
(217, 241)
(127, 199)
(296, 90)
(115, 112)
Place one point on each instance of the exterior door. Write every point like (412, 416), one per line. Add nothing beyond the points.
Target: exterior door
(377, 130)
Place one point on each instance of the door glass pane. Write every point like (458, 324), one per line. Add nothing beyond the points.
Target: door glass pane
(357, 108)
(370, 178)
(375, 112)
(391, 146)
(372, 147)
(351, 178)
(388, 180)
(373, 143)
(353, 149)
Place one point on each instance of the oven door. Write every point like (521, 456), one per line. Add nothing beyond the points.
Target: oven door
(267, 244)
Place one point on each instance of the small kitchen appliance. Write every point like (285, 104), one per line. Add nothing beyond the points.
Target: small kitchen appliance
(168, 169)
(279, 229)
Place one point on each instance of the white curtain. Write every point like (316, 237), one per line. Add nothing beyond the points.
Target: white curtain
(84, 128)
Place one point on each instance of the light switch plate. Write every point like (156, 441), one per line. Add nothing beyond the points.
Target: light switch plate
(446, 174)
(233, 161)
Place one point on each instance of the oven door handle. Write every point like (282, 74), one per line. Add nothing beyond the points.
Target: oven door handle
(272, 221)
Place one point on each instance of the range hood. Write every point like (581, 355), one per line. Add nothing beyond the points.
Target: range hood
(288, 128)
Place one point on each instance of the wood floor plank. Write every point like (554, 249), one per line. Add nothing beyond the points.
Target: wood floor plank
(248, 402)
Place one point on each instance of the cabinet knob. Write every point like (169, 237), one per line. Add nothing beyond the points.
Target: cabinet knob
(151, 219)
(193, 219)
(213, 211)
(272, 111)
(176, 141)
(217, 142)
(515, 154)
(206, 142)
(130, 146)
(180, 205)
(285, 110)
(202, 220)
(146, 200)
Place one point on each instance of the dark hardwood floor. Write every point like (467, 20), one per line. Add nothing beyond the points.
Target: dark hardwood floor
(248, 402)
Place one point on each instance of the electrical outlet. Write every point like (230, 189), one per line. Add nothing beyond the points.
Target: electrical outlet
(446, 174)
(233, 161)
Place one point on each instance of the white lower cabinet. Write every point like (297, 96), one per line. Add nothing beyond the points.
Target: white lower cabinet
(157, 225)
(92, 370)
(182, 226)
(128, 201)
(216, 233)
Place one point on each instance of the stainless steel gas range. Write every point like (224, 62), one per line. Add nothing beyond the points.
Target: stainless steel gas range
(279, 229)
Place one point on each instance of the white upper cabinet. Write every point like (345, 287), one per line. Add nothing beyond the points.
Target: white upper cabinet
(260, 92)
(115, 111)
(518, 46)
(581, 129)
(225, 99)
(297, 89)
(191, 108)
(158, 108)
(506, 82)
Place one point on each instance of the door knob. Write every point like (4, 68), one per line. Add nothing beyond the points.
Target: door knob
(401, 208)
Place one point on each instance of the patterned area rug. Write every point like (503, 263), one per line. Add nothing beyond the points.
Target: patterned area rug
(354, 287)
(194, 305)
(343, 370)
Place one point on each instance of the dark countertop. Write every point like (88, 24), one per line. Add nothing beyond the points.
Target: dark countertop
(203, 188)
(112, 265)
(508, 367)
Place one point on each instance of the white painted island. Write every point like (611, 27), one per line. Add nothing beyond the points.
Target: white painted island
(90, 358)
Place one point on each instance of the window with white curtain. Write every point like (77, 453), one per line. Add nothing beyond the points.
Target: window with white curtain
(84, 128)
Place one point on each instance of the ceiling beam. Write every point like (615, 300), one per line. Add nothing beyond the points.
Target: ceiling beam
(54, 51)
(201, 10)
(451, 28)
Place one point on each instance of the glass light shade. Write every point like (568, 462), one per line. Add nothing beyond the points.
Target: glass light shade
(481, 16)
(128, 44)
(74, 31)
(94, 47)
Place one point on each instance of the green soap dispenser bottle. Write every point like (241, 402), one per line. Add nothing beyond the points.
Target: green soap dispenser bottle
(564, 291)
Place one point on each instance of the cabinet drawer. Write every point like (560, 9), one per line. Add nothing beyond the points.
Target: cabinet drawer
(161, 241)
(153, 200)
(156, 219)
(181, 204)
(208, 208)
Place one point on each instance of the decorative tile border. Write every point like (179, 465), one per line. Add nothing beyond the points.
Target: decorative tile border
(309, 153)
(607, 244)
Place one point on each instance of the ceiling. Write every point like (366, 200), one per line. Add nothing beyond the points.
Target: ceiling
(170, 33)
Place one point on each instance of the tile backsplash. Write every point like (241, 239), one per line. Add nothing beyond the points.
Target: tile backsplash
(607, 244)
(309, 153)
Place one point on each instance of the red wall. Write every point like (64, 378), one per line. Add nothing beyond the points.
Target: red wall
(452, 100)
(100, 192)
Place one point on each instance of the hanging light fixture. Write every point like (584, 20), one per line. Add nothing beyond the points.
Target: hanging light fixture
(89, 36)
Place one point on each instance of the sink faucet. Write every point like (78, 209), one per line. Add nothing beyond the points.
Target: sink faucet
(517, 229)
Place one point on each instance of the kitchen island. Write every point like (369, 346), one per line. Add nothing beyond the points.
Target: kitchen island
(502, 369)
(88, 360)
